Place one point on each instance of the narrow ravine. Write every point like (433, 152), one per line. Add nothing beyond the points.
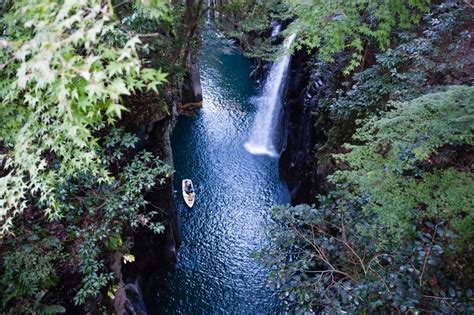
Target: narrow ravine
(216, 272)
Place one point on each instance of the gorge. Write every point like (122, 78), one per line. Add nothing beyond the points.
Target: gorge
(216, 271)
(330, 145)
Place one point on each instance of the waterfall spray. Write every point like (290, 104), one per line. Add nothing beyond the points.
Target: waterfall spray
(262, 137)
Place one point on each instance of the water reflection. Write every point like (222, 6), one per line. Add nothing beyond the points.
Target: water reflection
(216, 273)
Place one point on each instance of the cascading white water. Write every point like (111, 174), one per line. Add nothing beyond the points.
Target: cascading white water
(262, 137)
(276, 30)
(208, 14)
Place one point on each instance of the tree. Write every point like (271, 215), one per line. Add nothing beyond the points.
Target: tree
(411, 158)
(395, 236)
(65, 66)
(336, 26)
(68, 70)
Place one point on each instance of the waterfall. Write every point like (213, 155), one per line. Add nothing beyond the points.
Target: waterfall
(276, 29)
(262, 137)
(208, 13)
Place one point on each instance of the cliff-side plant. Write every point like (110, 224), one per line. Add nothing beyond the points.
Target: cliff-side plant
(321, 263)
(398, 165)
(62, 77)
(28, 271)
(337, 26)
(99, 213)
(412, 67)
(396, 234)
(99, 217)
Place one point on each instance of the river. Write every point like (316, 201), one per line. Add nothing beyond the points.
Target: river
(216, 272)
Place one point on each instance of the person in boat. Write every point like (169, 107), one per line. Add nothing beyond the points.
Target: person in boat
(188, 188)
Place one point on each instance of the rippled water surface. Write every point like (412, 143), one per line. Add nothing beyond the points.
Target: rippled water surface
(216, 273)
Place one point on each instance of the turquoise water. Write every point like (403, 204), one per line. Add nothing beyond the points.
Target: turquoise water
(215, 272)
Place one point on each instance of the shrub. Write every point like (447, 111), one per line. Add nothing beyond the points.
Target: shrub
(412, 67)
(322, 264)
(99, 213)
(28, 271)
(396, 166)
(396, 234)
(62, 79)
(349, 25)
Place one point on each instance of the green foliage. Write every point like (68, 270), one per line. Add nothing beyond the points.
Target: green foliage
(405, 71)
(322, 264)
(331, 27)
(69, 70)
(396, 234)
(93, 279)
(248, 21)
(162, 36)
(251, 15)
(397, 164)
(98, 215)
(98, 212)
(153, 9)
(28, 271)
(336, 26)
(62, 77)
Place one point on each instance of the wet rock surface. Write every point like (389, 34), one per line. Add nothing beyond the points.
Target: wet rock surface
(306, 123)
(152, 252)
(192, 92)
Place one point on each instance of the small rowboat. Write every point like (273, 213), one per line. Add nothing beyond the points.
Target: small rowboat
(189, 194)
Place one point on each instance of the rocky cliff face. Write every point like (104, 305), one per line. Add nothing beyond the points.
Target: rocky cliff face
(306, 123)
(191, 100)
(155, 253)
